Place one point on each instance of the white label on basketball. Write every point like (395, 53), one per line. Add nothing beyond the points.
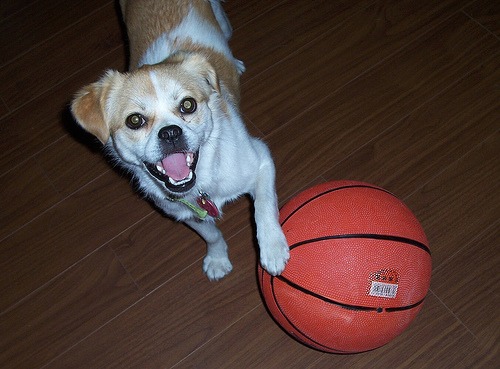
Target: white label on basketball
(380, 289)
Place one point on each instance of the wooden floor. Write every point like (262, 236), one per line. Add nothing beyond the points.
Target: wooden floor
(404, 94)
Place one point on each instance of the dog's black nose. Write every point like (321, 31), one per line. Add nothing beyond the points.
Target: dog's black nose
(170, 134)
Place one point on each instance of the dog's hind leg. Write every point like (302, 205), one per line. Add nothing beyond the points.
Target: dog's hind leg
(226, 28)
(222, 18)
(216, 264)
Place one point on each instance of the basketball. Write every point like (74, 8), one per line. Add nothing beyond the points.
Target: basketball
(359, 269)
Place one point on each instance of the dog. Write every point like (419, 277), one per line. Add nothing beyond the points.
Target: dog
(173, 122)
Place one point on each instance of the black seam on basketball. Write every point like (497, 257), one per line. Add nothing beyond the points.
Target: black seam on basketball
(370, 236)
(293, 325)
(333, 190)
(326, 299)
(262, 279)
(345, 306)
(408, 307)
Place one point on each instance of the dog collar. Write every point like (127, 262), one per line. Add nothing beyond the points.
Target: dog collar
(205, 206)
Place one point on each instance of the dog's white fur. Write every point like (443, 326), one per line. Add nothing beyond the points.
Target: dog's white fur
(179, 49)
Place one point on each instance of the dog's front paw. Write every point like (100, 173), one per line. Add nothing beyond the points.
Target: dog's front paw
(274, 255)
(216, 268)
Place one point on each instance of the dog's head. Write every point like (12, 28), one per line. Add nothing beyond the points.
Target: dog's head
(156, 118)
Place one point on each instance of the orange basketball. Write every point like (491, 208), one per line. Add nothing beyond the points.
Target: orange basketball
(359, 268)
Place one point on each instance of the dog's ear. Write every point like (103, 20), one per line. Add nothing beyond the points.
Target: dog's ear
(88, 105)
(200, 64)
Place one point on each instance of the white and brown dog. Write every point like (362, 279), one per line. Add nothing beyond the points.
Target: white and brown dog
(173, 122)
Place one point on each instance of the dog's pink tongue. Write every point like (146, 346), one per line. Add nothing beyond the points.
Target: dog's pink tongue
(175, 166)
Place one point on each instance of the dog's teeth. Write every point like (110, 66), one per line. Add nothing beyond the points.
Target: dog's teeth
(189, 159)
(182, 181)
(160, 169)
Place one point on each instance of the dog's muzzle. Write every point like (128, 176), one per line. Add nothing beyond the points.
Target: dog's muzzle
(177, 169)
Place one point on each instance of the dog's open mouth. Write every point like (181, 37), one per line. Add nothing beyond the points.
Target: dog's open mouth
(176, 170)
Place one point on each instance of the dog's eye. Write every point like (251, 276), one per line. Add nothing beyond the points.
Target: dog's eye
(188, 105)
(135, 121)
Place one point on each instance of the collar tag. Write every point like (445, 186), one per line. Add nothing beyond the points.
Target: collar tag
(206, 204)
